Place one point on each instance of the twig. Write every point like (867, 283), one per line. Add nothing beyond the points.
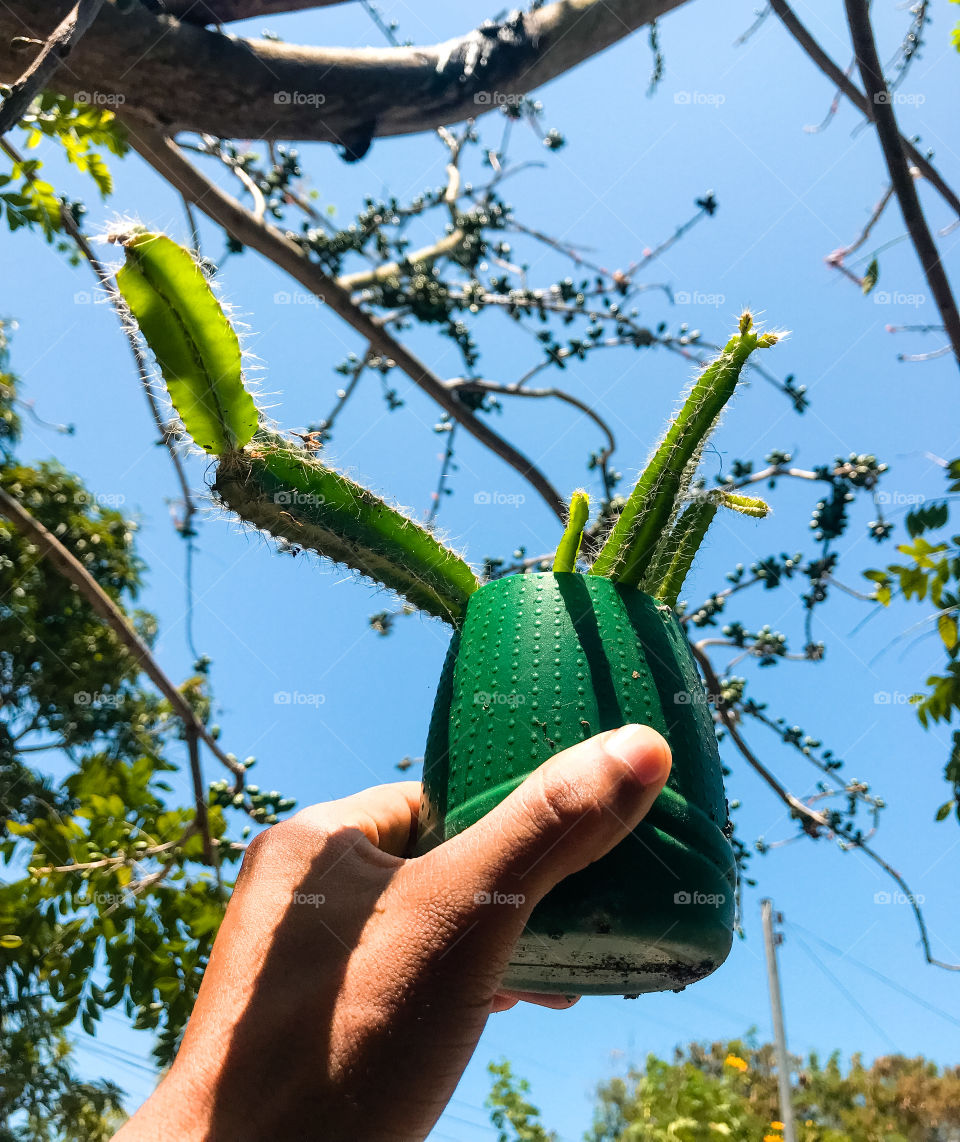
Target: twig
(165, 157)
(857, 98)
(838, 258)
(885, 121)
(514, 390)
(55, 50)
(429, 254)
(445, 463)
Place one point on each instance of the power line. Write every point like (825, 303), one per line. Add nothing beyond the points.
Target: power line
(845, 991)
(904, 991)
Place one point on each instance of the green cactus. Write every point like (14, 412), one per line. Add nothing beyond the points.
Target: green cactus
(649, 513)
(282, 488)
(569, 547)
(195, 345)
(268, 480)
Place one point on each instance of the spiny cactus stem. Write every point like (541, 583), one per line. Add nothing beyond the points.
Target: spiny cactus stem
(569, 547)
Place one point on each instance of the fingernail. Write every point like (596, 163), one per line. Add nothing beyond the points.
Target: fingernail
(642, 749)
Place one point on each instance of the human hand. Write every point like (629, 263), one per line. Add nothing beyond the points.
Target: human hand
(350, 982)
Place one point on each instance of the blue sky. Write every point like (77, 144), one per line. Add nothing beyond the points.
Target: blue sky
(727, 118)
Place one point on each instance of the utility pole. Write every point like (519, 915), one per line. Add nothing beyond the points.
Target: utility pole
(771, 939)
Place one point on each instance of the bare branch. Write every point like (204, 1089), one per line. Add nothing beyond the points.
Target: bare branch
(167, 159)
(813, 823)
(179, 76)
(885, 121)
(843, 82)
(57, 47)
(224, 11)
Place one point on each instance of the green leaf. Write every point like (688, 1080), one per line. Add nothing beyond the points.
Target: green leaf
(569, 547)
(945, 810)
(947, 626)
(871, 276)
(10, 941)
(196, 347)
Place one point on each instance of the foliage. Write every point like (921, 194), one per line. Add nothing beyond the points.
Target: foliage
(108, 901)
(84, 131)
(41, 1098)
(515, 1118)
(729, 1090)
(931, 571)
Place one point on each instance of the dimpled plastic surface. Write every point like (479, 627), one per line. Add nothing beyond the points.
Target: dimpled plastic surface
(544, 661)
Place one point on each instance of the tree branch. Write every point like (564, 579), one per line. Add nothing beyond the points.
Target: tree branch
(844, 84)
(167, 159)
(813, 823)
(58, 46)
(885, 121)
(72, 569)
(180, 76)
(224, 11)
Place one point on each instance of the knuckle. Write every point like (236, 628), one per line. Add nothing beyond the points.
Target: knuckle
(564, 805)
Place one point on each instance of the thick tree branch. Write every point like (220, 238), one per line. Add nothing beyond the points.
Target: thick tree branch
(844, 84)
(885, 121)
(180, 76)
(167, 159)
(223, 11)
(38, 75)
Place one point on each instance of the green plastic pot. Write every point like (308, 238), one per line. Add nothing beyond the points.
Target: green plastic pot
(544, 661)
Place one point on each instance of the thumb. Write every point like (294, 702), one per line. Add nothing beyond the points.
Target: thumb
(568, 813)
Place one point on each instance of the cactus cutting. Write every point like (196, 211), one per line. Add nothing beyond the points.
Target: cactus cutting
(538, 661)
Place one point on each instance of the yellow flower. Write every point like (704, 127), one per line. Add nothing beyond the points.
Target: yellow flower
(776, 1125)
(736, 1062)
(773, 1138)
